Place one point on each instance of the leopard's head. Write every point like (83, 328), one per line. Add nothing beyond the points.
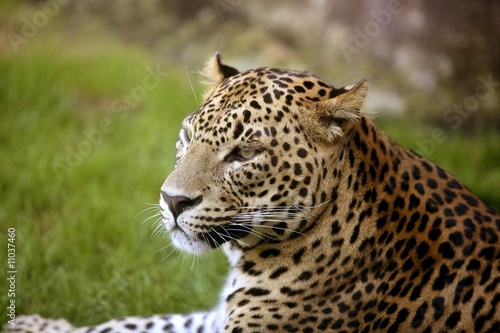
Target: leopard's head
(255, 162)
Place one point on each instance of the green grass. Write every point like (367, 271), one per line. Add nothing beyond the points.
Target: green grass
(82, 251)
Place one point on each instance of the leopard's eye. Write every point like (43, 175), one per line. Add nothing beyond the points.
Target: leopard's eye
(246, 153)
(188, 135)
(242, 154)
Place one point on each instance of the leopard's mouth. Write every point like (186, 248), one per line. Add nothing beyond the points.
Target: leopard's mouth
(215, 236)
(197, 231)
(206, 237)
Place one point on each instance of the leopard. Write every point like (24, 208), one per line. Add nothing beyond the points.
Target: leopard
(328, 225)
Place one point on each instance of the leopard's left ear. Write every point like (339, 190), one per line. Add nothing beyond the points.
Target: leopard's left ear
(217, 70)
(330, 118)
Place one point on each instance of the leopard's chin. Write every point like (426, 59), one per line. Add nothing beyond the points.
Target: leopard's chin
(185, 242)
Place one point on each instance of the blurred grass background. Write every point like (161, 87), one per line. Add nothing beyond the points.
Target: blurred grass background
(83, 251)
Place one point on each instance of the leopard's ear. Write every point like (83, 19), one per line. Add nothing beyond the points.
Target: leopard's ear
(216, 71)
(330, 118)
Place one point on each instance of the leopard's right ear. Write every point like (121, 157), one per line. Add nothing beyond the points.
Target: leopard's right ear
(216, 71)
(329, 119)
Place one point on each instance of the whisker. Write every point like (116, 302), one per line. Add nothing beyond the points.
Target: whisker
(233, 238)
(274, 227)
(259, 235)
(228, 235)
(165, 247)
(205, 238)
(280, 212)
(173, 250)
(264, 219)
(268, 220)
(252, 231)
(189, 80)
(303, 208)
(184, 107)
(193, 262)
(213, 239)
(159, 229)
(151, 203)
(151, 217)
(285, 208)
(147, 209)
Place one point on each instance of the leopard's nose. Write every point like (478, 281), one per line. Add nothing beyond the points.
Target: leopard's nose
(178, 204)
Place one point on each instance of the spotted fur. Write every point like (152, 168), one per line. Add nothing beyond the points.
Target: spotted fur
(328, 225)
